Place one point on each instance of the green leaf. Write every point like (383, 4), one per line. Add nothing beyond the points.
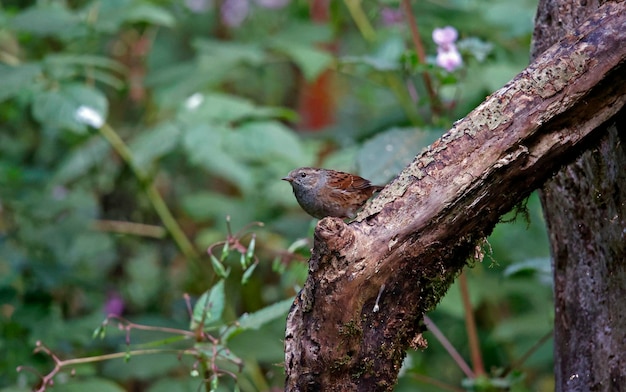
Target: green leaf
(174, 84)
(210, 306)
(45, 19)
(298, 42)
(242, 261)
(60, 108)
(99, 333)
(253, 321)
(370, 61)
(218, 267)
(204, 146)
(94, 385)
(90, 247)
(225, 251)
(515, 17)
(15, 80)
(143, 276)
(310, 59)
(540, 265)
(151, 14)
(387, 57)
(83, 60)
(307, 33)
(99, 68)
(154, 143)
(143, 367)
(476, 47)
(171, 384)
(230, 53)
(389, 152)
(202, 206)
(82, 159)
(250, 250)
(248, 274)
(264, 141)
(521, 326)
(221, 108)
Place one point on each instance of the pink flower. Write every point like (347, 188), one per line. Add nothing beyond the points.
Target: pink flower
(448, 56)
(445, 36)
(449, 59)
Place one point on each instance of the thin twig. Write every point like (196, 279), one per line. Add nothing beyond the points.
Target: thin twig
(59, 364)
(517, 364)
(142, 327)
(449, 348)
(421, 55)
(130, 228)
(470, 326)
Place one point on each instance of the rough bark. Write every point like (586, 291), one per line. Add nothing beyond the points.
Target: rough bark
(416, 236)
(585, 209)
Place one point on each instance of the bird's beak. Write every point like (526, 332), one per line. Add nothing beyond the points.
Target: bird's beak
(288, 179)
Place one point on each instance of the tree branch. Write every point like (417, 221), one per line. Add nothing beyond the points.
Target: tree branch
(584, 206)
(416, 236)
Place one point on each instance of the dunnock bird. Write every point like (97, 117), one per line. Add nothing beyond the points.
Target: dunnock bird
(323, 192)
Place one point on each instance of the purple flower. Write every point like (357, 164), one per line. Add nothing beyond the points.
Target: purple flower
(234, 12)
(114, 304)
(448, 56)
(391, 16)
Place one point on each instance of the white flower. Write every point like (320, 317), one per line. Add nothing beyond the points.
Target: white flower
(89, 116)
(194, 101)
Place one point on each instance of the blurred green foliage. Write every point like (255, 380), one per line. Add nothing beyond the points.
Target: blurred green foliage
(209, 111)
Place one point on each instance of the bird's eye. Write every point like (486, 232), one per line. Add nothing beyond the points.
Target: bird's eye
(302, 175)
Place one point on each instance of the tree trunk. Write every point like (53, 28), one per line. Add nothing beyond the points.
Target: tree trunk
(406, 247)
(585, 209)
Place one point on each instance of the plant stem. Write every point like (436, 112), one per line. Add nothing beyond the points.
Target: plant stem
(155, 198)
(125, 354)
(360, 19)
(421, 55)
(470, 325)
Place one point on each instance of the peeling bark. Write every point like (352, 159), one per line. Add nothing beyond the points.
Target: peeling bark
(585, 209)
(417, 235)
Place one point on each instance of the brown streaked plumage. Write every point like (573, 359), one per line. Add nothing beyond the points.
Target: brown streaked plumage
(324, 192)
